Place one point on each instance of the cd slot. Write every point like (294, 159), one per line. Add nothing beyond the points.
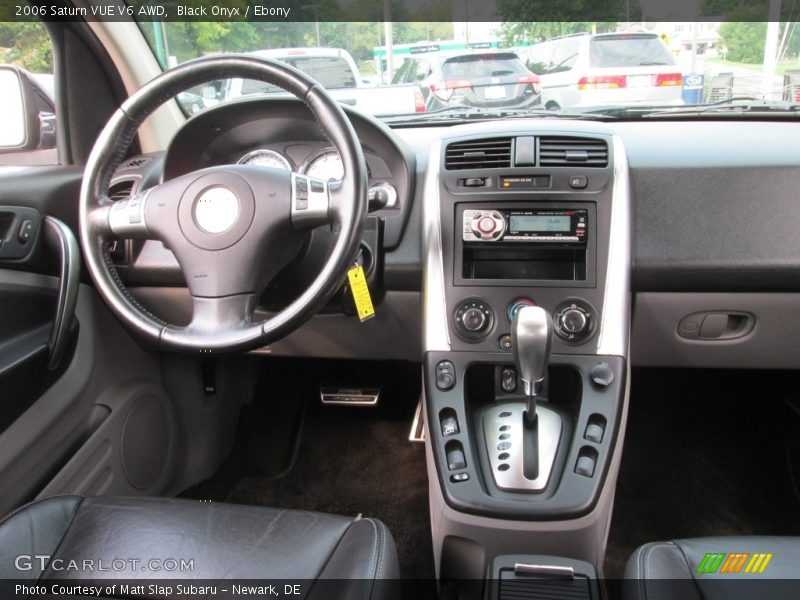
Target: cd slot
(524, 262)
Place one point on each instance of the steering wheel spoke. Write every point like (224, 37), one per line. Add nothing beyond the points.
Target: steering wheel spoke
(126, 218)
(311, 201)
(217, 323)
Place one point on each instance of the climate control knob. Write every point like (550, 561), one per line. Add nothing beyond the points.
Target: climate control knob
(473, 319)
(574, 321)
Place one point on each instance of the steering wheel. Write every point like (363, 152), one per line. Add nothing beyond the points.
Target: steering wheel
(231, 228)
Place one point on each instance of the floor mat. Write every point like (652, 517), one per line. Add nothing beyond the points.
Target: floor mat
(345, 461)
(707, 453)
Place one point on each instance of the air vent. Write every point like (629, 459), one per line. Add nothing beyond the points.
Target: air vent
(568, 151)
(121, 190)
(135, 163)
(492, 153)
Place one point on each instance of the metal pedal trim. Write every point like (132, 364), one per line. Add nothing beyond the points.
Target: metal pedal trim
(417, 433)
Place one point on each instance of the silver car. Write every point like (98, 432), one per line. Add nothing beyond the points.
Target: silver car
(585, 70)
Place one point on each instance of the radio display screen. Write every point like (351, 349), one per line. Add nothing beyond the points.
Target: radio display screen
(537, 223)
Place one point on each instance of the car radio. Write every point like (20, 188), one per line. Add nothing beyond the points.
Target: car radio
(559, 226)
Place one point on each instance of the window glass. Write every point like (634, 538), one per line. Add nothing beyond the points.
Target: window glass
(628, 51)
(28, 87)
(564, 55)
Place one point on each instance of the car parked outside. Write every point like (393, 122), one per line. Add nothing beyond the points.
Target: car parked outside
(584, 70)
(476, 79)
(337, 72)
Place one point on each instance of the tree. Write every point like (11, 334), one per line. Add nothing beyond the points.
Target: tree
(744, 41)
(26, 45)
(544, 11)
(533, 31)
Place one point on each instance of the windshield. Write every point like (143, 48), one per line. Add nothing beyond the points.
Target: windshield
(426, 68)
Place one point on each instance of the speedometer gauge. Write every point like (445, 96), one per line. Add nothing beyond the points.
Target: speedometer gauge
(265, 158)
(326, 166)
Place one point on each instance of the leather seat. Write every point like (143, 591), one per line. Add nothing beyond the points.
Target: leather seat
(223, 541)
(709, 568)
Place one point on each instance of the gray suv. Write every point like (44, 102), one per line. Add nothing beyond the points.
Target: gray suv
(482, 80)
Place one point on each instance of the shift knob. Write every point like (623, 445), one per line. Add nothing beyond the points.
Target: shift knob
(531, 332)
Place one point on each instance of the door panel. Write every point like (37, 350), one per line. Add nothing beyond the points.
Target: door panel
(106, 392)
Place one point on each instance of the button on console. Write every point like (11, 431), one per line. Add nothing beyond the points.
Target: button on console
(505, 342)
(585, 466)
(508, 380)
(578, 182)
(445, 375)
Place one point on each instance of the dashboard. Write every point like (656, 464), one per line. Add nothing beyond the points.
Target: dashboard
(283, 134)
(714, 221)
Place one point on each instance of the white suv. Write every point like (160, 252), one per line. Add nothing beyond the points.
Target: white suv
(605, 69)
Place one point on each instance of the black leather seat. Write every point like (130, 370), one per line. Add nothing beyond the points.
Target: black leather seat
(223, 541)
(709, 568)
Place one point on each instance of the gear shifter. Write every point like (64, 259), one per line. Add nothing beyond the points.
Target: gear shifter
(531, 332)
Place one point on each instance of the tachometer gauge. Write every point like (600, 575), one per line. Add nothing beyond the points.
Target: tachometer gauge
(265, 158)
(326, 166)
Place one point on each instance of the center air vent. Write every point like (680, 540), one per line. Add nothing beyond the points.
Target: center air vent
(494, 153)
(572, 151)
(121, 190)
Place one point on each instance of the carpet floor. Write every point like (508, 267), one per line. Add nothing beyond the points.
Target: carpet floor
(293, 452)
(707, 453)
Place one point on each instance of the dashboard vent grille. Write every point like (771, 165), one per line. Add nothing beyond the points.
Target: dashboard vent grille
(494, 153)
(135, 163)
(121, 190)
(565, 151)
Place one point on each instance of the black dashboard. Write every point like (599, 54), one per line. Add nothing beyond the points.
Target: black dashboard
(283, 133)
(715, 205)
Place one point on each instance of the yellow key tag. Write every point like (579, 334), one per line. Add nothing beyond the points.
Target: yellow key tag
(358, 285)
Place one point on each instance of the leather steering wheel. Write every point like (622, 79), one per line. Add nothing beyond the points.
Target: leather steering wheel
(232, 228)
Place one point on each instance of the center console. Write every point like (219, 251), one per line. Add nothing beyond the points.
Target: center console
(527, 312)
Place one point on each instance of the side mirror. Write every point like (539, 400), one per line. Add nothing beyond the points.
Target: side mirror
(27, 113)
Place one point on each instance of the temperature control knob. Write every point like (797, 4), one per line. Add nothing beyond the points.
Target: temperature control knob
(574, 321)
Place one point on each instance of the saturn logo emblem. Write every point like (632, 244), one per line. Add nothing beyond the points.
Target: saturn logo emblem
(216, 209)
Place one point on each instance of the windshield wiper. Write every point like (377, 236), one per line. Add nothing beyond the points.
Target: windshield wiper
(467, 113)
(737, 105)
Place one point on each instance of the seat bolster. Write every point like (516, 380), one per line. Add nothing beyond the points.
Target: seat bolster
(366, 556)
(664, 570)
(785, 552)
(35, 530)
(648, 568)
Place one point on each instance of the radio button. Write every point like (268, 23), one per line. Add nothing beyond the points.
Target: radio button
(486, 225)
